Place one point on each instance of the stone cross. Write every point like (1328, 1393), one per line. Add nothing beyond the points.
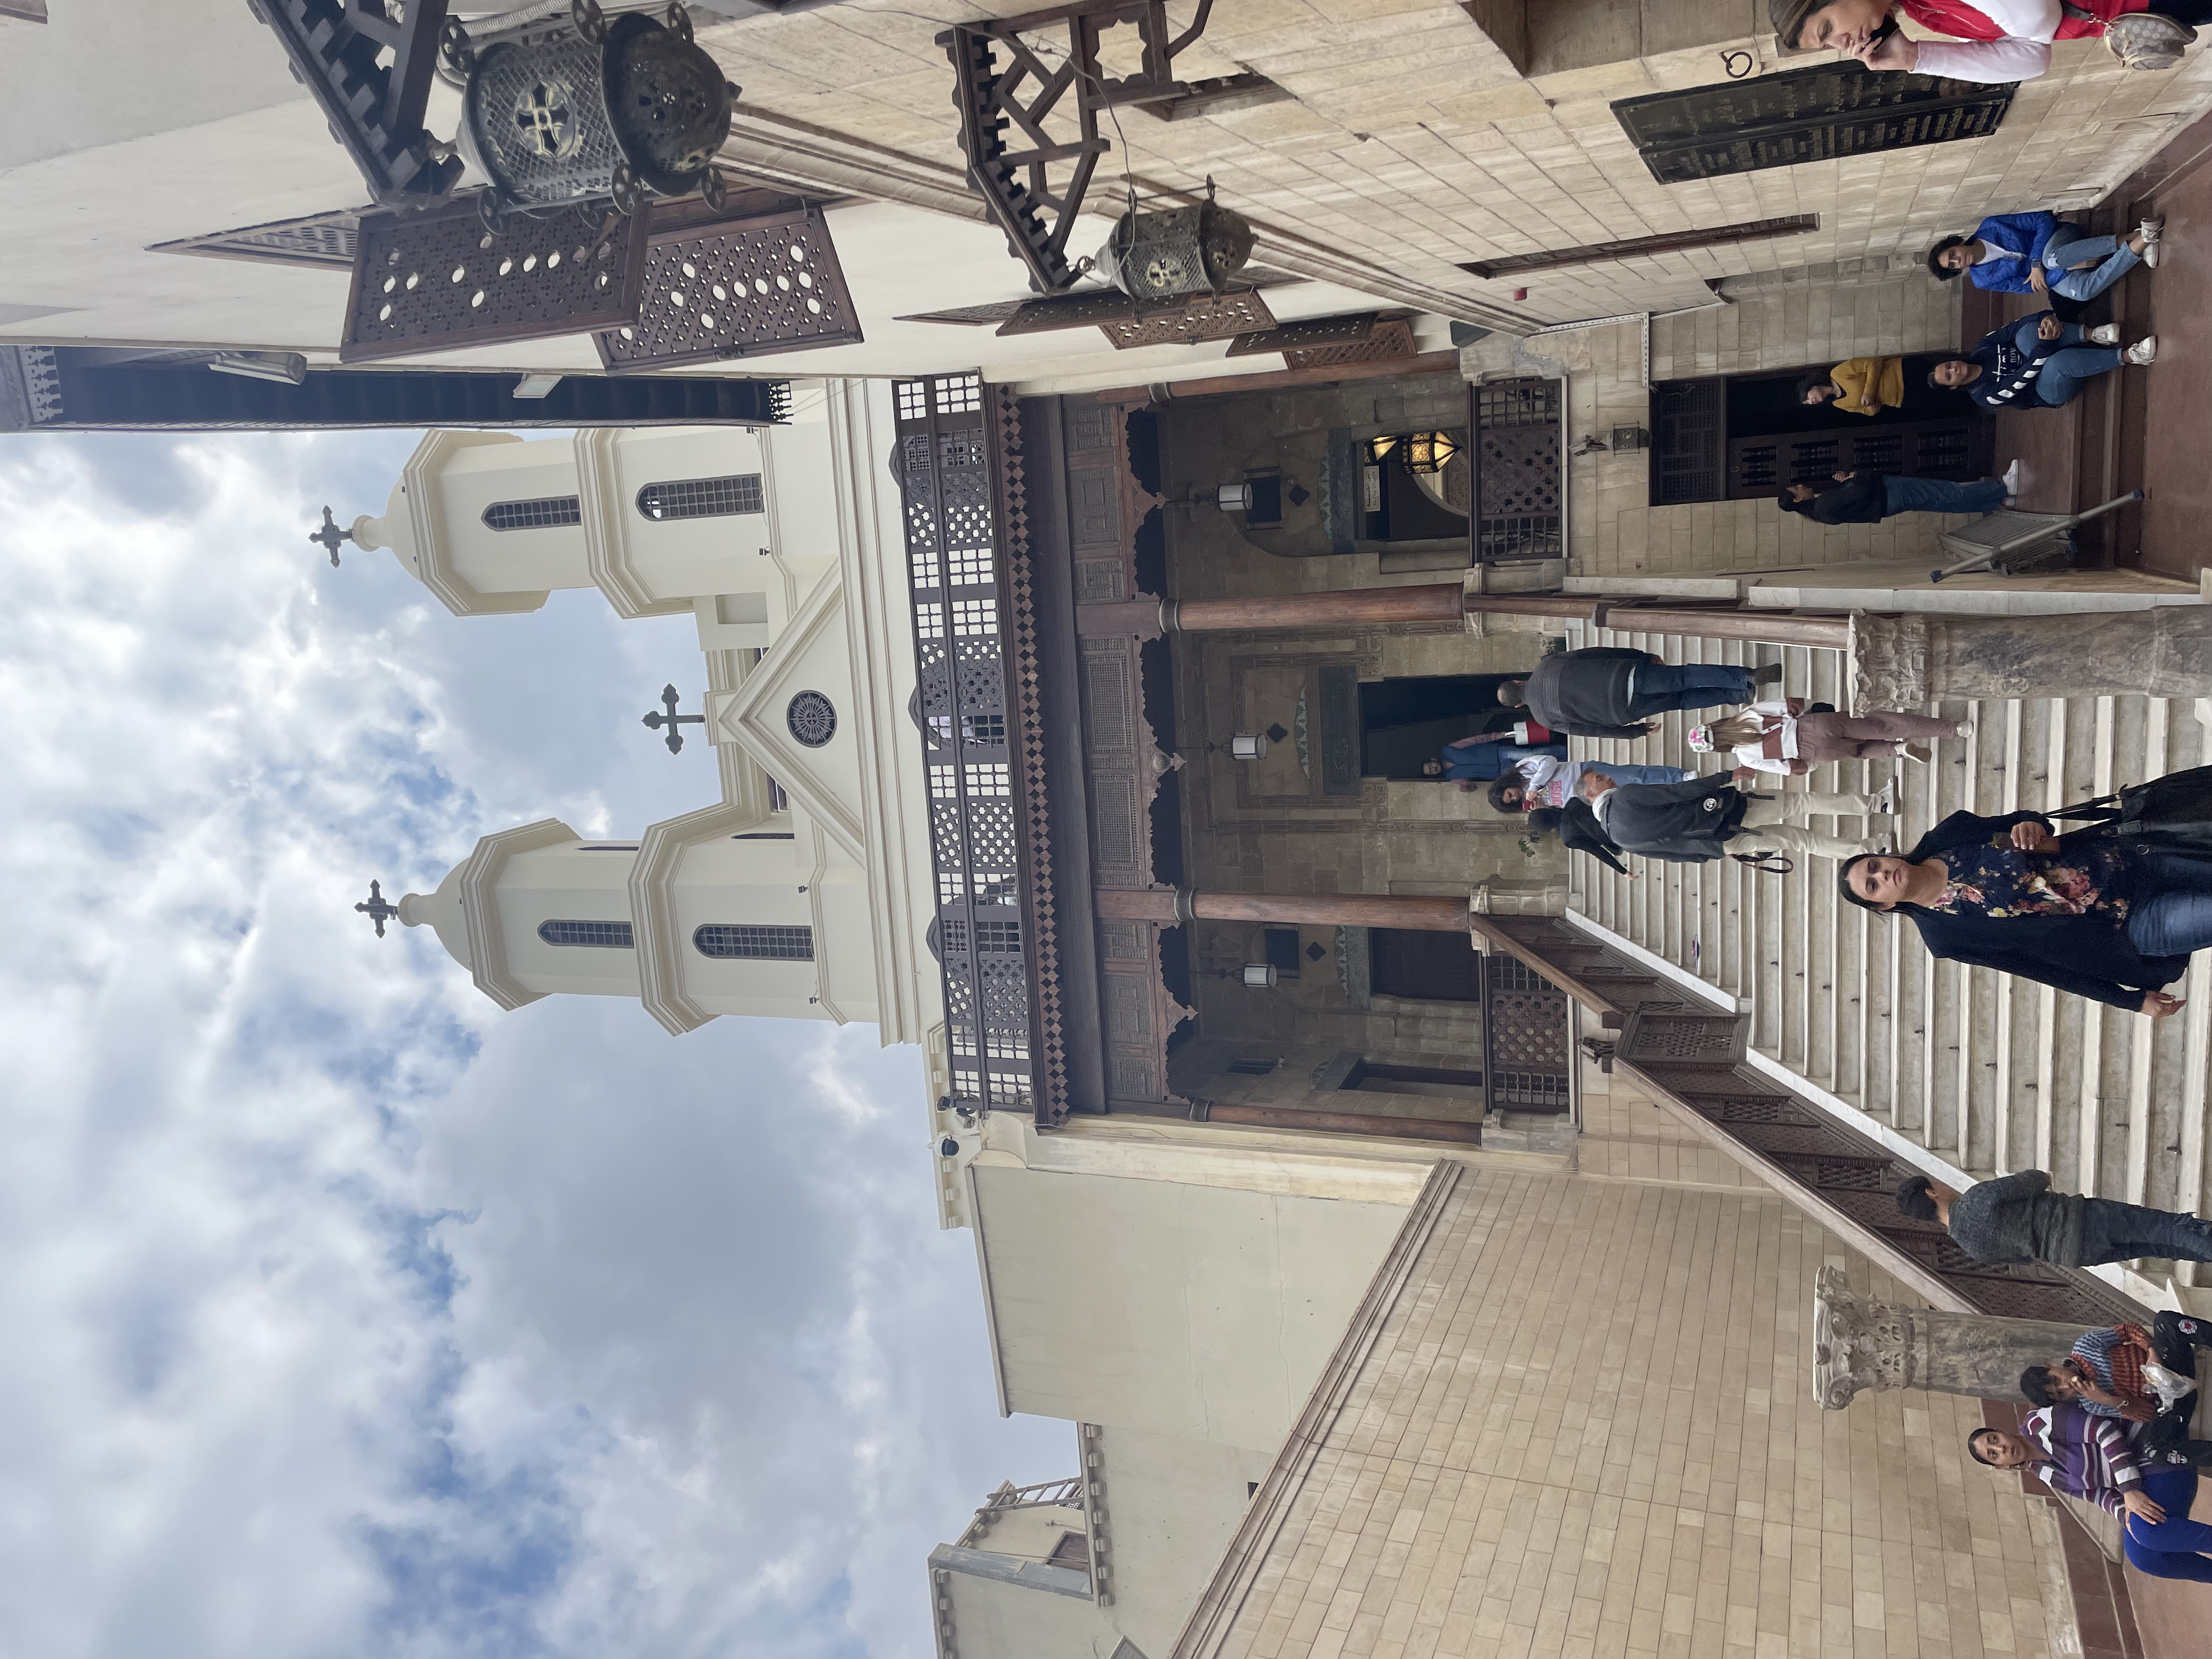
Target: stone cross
(329, 537)
(1860, 1344)
(671, 720)
(377, 909)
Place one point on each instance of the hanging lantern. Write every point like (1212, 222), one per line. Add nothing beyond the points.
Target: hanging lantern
(1160, 255)
(579, 108)
(1260, 976)
(1419, 452)
(1249, 745)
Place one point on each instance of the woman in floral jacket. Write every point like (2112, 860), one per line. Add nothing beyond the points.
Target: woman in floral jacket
(2109, 919)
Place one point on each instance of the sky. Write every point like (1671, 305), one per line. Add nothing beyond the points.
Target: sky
(347, 1313)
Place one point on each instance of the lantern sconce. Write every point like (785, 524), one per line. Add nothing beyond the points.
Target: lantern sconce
(1233, 498)
(1248, 747)
(1260, 976)
(1417, 452)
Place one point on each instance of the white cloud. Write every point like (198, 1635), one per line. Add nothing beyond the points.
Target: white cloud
(349, 1314)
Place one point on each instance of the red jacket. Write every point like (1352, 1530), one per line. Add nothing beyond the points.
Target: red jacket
(1963, 22)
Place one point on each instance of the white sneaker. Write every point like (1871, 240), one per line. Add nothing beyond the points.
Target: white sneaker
(2144, 350)
(1883, 801)
(2151, 229)
(2010, 479)
(2105, 334)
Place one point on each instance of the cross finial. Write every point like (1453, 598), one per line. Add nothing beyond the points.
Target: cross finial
(377, 909)
(671, 720)
(330, 536)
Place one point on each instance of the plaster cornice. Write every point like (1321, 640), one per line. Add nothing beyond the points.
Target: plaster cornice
(607, 526)
(424, 487)
(478, 891)
(654, 930)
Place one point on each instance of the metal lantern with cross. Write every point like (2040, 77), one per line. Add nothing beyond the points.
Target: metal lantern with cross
(577, 107)
(1157, 255)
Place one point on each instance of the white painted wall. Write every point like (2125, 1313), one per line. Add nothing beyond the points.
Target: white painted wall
(1172, 1507)
(1197, 1313)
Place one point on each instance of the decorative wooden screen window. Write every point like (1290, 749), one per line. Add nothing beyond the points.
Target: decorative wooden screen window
(546, 513)
(1816, 114)
(741, 288)
(1524, 1038)
(986, 809)
(1675, 241)
(327, 239)
(598, 935)
(1707, 447)
(701, 498)
(730, 941)
(1519, 481)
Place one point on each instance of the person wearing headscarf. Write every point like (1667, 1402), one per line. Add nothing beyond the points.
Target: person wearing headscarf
(1993, 41)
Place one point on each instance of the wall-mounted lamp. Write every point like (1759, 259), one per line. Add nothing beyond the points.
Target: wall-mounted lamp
(1233, 498)
(1249, 745)
(1260, 976)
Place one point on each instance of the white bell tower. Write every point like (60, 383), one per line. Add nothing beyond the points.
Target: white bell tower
(805, 889)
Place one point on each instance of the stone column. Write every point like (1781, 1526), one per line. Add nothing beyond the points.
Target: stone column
(1168, 904)
(1903, 662)
(1862, 1343)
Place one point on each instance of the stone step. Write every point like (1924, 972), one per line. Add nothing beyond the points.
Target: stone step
(1985, 1072)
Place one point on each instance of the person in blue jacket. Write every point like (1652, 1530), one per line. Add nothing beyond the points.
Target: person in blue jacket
(2039, 253)
(2038, 362)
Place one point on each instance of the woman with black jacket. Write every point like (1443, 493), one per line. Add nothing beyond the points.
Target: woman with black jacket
(1578, 830)
(2102, 918)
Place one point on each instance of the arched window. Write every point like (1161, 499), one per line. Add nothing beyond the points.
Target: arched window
(701, 498)
(726, 940)
(546, 512)
(605, 935)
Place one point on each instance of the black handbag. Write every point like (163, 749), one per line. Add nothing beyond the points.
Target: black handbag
(2173, 814)
(1775, 864)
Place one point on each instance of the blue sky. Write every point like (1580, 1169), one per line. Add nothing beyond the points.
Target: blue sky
(349, 1314)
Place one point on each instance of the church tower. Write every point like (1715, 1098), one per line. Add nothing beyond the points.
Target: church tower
(805, 890)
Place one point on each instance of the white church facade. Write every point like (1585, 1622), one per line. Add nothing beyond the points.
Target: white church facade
(804, 891)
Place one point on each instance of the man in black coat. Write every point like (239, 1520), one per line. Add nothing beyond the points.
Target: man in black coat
(1710, 817)
(1611, 691)
(1868, 497)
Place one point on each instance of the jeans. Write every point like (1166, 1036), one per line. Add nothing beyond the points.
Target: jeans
(2071, 367)
(2170, 1548)
(1620, 772)
(2172, 912)
(1940, 495)
(1776, 824)
(2113, 257)
(1660, 687)
(2113, 1231)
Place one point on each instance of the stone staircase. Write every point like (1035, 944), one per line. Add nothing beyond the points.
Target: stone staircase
(1983, 1073)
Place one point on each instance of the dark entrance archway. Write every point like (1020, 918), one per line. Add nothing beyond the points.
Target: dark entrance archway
(1404, 722)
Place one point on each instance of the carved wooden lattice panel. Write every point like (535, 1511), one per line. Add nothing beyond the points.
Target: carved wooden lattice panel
(1823, 113)
(1524, 1038)
(1387, 342)
(967, 560)
(320, 239)
(438, 282)
(1520, 475)
(748, 288)
(1310, 332)
(1208, 317)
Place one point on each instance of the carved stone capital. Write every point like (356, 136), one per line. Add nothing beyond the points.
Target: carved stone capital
(1860, 1344)
(1889, 661)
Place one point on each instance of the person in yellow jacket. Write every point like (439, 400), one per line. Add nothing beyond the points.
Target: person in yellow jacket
(1862, 385)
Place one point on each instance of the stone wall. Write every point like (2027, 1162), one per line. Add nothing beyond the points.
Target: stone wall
(1584, 1425)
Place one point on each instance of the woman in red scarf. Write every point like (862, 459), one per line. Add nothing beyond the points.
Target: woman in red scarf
(1992, 40)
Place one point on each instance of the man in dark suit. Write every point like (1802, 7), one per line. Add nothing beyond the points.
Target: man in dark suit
(1611, 691)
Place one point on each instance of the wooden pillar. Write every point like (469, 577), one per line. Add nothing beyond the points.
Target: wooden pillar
(1168, 904)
